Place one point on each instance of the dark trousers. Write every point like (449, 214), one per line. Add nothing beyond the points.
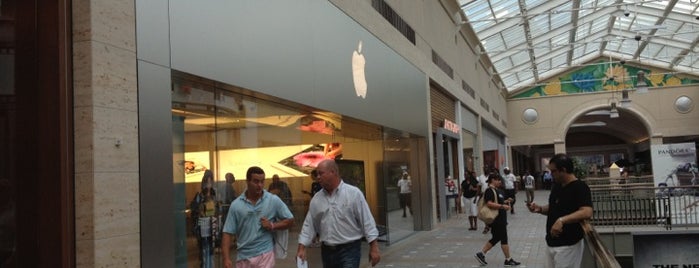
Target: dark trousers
(405, 202)
(499, 233)
(342, 256)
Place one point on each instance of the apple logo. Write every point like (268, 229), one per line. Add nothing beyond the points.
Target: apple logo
(358, 64)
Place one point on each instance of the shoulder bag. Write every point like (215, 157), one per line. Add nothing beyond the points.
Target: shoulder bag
(485, 213)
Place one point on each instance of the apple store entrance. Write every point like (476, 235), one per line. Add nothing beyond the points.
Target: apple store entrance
(219, 131)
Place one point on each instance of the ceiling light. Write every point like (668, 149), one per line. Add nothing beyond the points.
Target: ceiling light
(590, 124)
(641, 86)
(598, 112)
(613, 113)
(625, 101)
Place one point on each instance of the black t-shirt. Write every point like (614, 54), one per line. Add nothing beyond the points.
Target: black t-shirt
(466, 186)
(502, 214)
(563, 201)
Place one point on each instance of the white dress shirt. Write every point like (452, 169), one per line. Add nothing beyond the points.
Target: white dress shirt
(404, 186)
(339, 218)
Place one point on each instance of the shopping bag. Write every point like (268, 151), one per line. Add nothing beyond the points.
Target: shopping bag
(281, 243)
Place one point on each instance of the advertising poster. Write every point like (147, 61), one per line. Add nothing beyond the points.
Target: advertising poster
(665, 249)
(675, 173)
(195, 163)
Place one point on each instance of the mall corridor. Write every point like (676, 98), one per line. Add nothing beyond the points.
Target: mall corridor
(451, 244)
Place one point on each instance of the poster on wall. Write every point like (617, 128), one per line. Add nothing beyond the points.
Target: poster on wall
(674, 172)
(292, 161)
(195, 163)
(674, 164)
(309, 158)
(663, 249)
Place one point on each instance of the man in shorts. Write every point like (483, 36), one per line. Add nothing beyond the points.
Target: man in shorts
(469, 198)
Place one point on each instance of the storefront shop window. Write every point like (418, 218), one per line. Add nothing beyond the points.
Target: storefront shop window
(219, 131)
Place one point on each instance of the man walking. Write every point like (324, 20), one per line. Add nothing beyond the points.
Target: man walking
(570, 202)
(340, 215)
(252, 218)
(404, 184)
(529, 186)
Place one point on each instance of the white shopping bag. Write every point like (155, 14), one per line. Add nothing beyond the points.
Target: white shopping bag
(281, 243)
(301, 263)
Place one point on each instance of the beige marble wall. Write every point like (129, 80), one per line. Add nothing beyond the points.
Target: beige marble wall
(106, 134)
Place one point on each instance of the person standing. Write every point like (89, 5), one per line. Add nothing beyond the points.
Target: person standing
(203, 209)
(404, 184)
(207, 227)
(315, 185)
(510, 190)
(529, 186)
(230, 188)
(280, 189)
(547, 179)
(252, 219)
(570, 203)
(495, 199)
(315, 188)
(469, 197)
(340, 215)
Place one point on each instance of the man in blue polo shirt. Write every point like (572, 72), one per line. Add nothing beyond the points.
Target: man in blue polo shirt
(252, 218)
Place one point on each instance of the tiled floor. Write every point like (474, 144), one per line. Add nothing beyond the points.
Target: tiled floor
(451, 244)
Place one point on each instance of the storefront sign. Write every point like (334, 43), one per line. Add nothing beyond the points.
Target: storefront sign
(451, 126)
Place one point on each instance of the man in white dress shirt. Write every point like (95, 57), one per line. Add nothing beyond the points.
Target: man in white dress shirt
(404, 184)
(510, 188)
(340, 215)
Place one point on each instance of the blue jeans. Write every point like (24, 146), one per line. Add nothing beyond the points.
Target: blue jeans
(342, 256)
(207, 257)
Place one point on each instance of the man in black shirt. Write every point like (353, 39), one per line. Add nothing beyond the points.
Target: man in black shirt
(570, 203)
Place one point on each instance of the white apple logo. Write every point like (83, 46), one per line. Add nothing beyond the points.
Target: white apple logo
(358, 64)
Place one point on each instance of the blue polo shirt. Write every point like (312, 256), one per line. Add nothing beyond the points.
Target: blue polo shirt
(243, 221)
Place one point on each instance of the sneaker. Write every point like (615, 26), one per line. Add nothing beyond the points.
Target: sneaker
(512, 262)
(481, 258)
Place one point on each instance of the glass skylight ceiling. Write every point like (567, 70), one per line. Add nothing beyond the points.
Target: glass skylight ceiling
(543, 38)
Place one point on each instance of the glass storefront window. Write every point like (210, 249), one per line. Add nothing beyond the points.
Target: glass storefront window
(220, 131)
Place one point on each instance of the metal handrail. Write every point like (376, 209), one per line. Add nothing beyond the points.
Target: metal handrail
(602, 255)
(636, 204)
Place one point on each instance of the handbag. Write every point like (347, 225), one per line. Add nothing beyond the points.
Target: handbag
(485, 213)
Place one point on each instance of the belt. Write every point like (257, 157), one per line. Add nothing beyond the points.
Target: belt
(340, 246)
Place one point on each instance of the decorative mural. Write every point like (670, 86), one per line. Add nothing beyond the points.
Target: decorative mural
(594, 78)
